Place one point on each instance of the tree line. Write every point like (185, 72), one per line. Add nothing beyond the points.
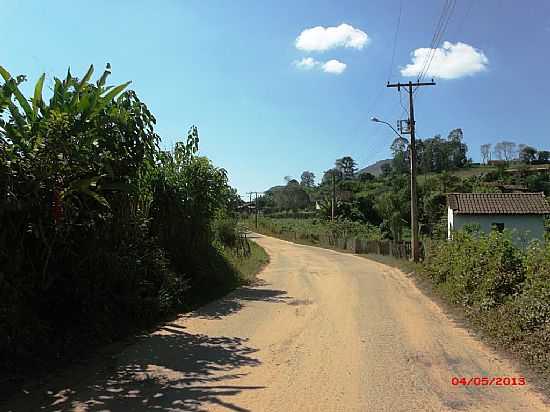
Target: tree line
(508, 151)
(384, 200)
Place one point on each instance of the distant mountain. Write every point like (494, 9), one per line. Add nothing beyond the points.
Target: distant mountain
(275, 189)
(375, 168)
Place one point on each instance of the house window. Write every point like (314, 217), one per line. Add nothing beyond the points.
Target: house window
(497, 226)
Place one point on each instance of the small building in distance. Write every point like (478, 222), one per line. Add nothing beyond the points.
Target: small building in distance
(523, 213)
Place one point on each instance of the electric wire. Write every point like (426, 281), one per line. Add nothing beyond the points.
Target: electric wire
(440, 37)
(441, 28)
(390, 74)
(437, 30)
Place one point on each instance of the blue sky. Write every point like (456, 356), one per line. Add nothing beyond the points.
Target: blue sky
(229, 67)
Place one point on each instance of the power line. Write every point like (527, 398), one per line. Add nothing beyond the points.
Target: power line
(438, 34)
(395, 40)
(440, 37)
(434, 37)
(376, 99)
(374, 102)
(390, 68)
(466, 15)
(405, 110)
(440, 30)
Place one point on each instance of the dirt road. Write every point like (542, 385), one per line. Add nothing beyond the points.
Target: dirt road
(321, 331)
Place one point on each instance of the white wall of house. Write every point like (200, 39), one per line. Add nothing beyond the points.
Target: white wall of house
(525, 227)
(450, 222)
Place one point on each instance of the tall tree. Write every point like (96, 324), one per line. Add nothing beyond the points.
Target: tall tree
(505, 150)
(327, 176)
(498, 151)
(307, 179)
(543, 156)
(347, 166)
(438, 153)
(456, 149)
(400, 152)
(527, 154)
(289, 197)
(485, 152)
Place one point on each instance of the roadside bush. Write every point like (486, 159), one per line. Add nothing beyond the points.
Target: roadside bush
(101, 231)
(226, 231)
(506, 290)
(476, 269)
(534, 302)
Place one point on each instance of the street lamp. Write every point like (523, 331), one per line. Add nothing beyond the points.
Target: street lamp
(414, 204)
(377, 120)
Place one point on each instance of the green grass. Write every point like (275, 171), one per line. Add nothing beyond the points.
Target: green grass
(466, 172)
(248, 267)
(304, 229)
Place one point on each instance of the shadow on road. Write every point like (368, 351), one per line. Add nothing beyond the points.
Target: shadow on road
(171, 370)
(233, 302)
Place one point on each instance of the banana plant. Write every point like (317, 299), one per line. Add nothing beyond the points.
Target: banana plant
(78, 100)
(78, 97)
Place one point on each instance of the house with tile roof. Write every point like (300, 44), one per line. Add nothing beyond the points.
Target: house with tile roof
(523, 213)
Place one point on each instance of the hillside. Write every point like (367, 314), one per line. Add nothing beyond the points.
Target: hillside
(375, 168)
(478, 170)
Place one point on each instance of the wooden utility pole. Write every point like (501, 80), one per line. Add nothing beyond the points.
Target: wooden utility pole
(256, 203)
(333, 195)
(256, 199)
(415, 244)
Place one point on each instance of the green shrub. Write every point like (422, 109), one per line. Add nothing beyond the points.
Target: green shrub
(476, 269)
(533, 304)
(506, 290)
(227, 231)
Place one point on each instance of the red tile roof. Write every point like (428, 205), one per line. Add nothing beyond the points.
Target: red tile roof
(498, 203)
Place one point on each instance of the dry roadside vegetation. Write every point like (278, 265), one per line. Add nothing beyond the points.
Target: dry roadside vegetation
(505, 290)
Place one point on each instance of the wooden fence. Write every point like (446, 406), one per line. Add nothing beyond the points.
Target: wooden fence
(398, 249)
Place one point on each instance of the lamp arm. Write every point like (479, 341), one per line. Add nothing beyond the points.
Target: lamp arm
(396, 132)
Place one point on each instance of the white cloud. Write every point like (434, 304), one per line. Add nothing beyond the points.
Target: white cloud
(450, 61)
(334, 67)
(307, 63)
(320, 38)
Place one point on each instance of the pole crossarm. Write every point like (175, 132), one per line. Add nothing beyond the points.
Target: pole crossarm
(399, 85)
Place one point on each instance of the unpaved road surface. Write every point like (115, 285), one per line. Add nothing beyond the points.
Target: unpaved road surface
(320, 331)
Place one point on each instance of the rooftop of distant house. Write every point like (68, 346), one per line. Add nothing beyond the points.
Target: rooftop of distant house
(498, 203)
